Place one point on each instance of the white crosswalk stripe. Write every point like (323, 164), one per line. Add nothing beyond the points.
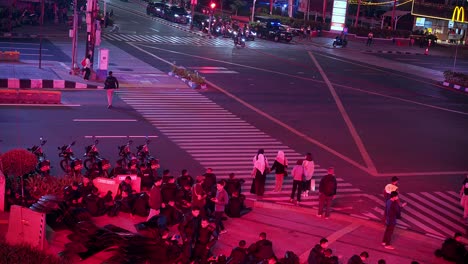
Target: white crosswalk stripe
(192, 41)
(436, 213)
(217, 138)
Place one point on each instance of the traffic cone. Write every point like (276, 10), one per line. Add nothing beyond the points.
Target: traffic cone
(426, 52)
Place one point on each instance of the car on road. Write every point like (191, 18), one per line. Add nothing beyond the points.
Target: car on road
(155, 9)
(176, 14)
(273, 31)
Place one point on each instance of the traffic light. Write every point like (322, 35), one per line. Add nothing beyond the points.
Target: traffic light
(212, 5)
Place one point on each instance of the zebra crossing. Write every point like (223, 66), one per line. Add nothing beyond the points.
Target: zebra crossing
(218, 139)
(189, 40)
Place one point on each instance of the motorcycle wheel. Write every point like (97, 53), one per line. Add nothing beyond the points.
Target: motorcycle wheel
(88, 164)
(65, 166)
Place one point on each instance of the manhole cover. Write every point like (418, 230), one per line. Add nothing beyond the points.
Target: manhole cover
(125, 69)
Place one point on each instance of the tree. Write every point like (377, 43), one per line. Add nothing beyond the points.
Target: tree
(236, 4)
(17, 163)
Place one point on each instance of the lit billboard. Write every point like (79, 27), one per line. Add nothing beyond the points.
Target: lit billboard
(338, 15)
(439, 10)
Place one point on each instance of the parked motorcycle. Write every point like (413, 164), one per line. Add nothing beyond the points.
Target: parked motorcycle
(43, 164)
(94, 164)
(126, 155)
(144, 157)
(69, 163)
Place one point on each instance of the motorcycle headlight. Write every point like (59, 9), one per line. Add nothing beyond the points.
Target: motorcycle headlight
(176, 15)
(243, 39)
(235, 33)
(157, 9)
(253, 33)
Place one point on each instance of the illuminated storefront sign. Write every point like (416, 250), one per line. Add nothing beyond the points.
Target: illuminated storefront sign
(438, 10)
(338, 15)
(458, 14)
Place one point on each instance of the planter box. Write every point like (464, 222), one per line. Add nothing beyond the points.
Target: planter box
(9, 56)
(30, 97)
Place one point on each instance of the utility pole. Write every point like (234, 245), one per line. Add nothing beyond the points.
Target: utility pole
(40, 34)
(91, 14)
(74, 37)
(253, 11)
(193, 3)
(324, 11)
(357, 13)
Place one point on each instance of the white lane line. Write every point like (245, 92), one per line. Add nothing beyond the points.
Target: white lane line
(41, 105)
(207, 68)
(447, 197)
(430, 173)
(440, 201)
(120, 136)
(216, 71)
(19, 43)
(104, 120)
(36, 54)
(154, 29)
(347, 119)
(19, 48)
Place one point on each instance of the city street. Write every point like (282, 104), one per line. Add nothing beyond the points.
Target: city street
(369, 121)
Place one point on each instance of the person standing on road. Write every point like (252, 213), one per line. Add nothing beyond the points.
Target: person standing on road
(370, 37)
(464, 198)
(309, 167)
(298, 177)
(327, 189)
(259, 173)
(391, 187)
(110, 84)
(87, 67)
(392, 213)
(280, 165)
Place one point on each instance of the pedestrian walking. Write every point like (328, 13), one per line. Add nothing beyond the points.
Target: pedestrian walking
(309, 168)
(87, 67)
(327, 189)
(392, 213)
(370, 37)
(298, 177)
(110, 85)
(280, 166)
(464, 198)
(259, 172)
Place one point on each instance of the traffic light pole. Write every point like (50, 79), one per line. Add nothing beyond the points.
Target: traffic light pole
(91, 10)
(73, 68)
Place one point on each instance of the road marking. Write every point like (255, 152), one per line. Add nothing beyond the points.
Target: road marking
(18, 48)
(215, 71)
(427, 173)
(19, 43)
(50, 105)
(347, 119)
(333, 238)
(120, 136)
(45, 55)
(105, 120)
(154, 29)
(207, 68)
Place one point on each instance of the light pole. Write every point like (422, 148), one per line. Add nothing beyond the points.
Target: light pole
(393, 14)
(74, 37)
(253, 11)
(357, 13)
(193, 3)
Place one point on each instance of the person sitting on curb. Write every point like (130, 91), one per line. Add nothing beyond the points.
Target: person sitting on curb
(359, 259)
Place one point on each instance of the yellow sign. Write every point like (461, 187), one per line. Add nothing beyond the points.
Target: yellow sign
(458, 12)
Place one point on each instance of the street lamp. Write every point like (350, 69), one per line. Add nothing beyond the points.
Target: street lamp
(253, 10)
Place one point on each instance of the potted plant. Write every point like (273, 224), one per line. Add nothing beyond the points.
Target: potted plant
(198, 80)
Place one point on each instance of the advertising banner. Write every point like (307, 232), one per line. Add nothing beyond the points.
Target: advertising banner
(439, 10)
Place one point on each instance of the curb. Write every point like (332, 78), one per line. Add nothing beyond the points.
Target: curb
(40, 83)
(456, 87)
(393, 52)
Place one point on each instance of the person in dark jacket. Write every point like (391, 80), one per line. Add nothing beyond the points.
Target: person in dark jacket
(327, 189)
(392, 213)
(328, 257)
(262, 249)
(184, 199)
(184, 179)
(238, 254)
(290, 258)
(280, 165)
(221, 200)
(87, 187)
(169, 191)
(110, 85)
(155, 199)
(206, 240)
(233, 184)
(317, 253)
(189, 230)
(171, 215)
(453, 250)
(355, 259)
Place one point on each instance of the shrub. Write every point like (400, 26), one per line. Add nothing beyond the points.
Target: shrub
(26, 254)
(196, 78)
(456, 78)
(39, 186)
(18, 162)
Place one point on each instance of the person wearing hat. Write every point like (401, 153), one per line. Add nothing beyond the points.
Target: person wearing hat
(110, 85)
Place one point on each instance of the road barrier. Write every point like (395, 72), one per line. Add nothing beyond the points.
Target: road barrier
(17, 96)
(9, 56)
